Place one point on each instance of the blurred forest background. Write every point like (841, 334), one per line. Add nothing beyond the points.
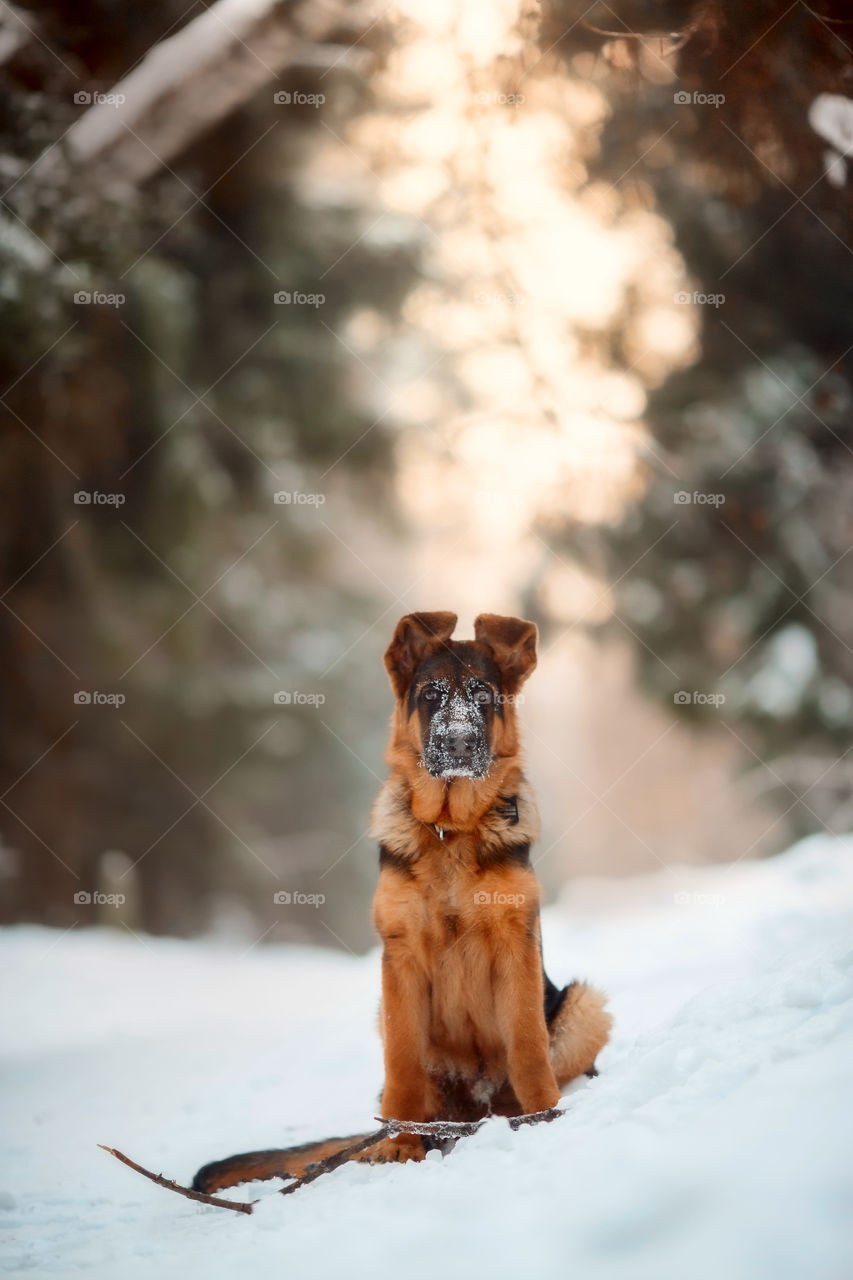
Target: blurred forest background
(314, 314)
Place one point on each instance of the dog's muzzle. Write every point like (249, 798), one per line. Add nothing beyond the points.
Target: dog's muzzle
(457, 746)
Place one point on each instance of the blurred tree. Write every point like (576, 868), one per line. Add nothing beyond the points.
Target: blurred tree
(195, 397)
(733, 567)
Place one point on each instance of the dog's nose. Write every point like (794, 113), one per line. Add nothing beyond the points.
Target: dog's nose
(462, 743)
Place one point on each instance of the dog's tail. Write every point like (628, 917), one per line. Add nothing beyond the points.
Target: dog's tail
(289, 1162)
(579, 1032)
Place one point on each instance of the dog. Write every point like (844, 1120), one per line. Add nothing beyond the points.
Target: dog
(471, 1024)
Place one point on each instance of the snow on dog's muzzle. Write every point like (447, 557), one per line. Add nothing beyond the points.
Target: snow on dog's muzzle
(457, 745)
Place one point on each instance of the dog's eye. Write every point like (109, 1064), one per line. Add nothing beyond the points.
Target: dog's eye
(483, 696)
(430, 694)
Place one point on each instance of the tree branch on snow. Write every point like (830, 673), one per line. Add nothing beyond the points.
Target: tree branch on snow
(240, 1206)
(464, 1128)
(446, 1129)
(333, 1162)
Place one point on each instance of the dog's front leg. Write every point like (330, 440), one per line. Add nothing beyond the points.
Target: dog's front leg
(405, 1020)
(519, 998)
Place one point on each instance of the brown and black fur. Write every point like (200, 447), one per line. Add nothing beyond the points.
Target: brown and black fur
(471, 1024)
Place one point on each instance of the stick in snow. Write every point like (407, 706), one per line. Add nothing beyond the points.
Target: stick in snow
(240, 1206)
(333, 1162)
(464, 1128)
(447, 1129)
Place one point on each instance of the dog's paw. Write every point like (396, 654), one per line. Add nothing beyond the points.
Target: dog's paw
(404, 1146)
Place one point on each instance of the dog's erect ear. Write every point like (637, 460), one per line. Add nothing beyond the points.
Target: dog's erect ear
(413, 637)
(513, 643)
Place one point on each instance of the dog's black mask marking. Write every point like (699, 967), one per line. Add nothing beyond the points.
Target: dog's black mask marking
(457, 694)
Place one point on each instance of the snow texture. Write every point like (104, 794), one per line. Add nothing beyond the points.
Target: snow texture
(715, 1143)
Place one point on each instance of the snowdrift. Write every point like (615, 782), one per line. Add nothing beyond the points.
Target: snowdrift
(716, 1141)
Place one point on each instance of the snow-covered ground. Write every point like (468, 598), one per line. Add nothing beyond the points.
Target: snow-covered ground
(717, 1141)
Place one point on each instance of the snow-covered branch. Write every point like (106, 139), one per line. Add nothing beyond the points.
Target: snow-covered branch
(188, 83)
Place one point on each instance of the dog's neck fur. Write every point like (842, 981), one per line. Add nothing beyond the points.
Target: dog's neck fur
(408, 818)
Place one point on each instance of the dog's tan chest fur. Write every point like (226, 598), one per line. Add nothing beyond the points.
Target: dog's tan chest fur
(443, 921)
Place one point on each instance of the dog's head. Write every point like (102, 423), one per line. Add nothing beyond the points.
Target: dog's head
(456, 700)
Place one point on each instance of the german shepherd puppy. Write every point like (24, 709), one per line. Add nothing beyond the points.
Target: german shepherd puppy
(471, 1024)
